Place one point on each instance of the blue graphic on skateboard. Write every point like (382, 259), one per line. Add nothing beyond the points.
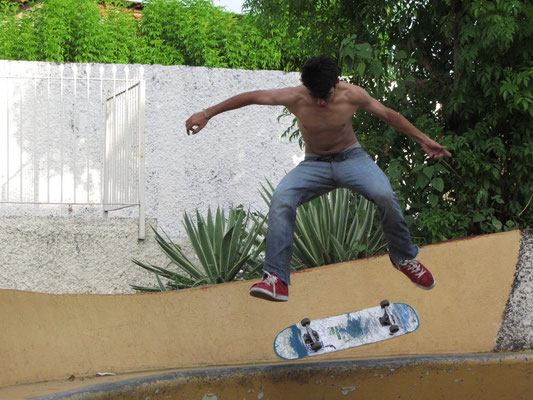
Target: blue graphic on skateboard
(371, 325)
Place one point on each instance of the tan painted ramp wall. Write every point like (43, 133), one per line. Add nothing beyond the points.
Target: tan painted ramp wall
(47, 337)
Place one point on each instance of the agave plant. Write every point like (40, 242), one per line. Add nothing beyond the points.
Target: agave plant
(227, 249)
(333, 228)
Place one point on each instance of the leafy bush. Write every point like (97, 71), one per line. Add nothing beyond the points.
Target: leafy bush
(191, 32)
(463, 75)
(227, 248)
(462, 72)
(68, 31)
(198, 33)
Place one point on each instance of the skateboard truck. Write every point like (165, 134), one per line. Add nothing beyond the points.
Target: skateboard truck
(385, 320)
(311, 337)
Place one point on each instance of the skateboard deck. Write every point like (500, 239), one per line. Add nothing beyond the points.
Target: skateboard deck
(371, 325)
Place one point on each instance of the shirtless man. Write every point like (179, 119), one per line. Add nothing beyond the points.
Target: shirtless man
(333, 158)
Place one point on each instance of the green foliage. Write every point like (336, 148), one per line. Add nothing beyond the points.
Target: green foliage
(333, 228)
(15, 33)
(228, 249)
(192, 32)
(480, 70)
(462, 72)
(198, 33)
(303, 27)
(68, 31)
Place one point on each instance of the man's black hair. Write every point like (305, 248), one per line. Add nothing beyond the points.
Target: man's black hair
(319, 75)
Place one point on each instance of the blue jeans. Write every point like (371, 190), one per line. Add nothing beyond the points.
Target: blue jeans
(316, 175)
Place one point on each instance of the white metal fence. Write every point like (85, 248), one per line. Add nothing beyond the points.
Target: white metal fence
(73, 135)
(124, 151)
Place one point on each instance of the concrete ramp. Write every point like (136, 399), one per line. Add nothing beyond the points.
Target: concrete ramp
(46, 337)
(486, 376)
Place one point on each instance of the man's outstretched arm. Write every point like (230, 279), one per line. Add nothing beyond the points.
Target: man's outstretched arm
(401, 124)
(275, 97)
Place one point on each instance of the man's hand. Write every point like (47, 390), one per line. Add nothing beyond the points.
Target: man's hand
(434, 149)
(196, 123)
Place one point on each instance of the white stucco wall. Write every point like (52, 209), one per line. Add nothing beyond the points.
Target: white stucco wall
(223, 165)
(75, 255)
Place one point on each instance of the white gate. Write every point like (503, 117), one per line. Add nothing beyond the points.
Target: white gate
(123, 183)
(72, 135)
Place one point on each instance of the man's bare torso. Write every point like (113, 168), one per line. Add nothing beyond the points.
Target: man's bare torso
(326, 126)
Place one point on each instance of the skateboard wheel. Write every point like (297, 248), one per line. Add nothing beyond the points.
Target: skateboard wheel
(384, 303)
(394, 328)
(305, 322)
(316, 346)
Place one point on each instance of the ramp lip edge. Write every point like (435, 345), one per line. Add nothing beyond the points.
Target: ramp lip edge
(396, 362)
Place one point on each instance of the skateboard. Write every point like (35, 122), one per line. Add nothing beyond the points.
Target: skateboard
(371, 325)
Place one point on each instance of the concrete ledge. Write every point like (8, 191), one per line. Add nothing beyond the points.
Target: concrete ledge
(481, 376)
(75, 255)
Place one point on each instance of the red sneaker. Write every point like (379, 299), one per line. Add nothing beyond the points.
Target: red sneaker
(419, 275)
(270, 288)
